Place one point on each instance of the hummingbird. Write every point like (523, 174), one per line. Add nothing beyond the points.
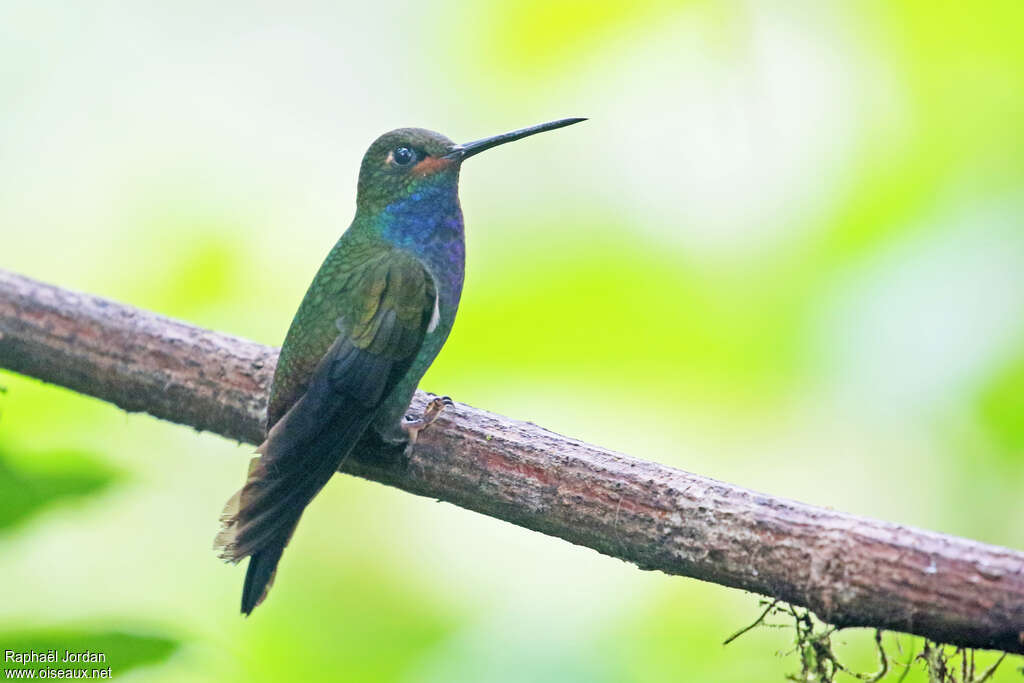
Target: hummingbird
(372, 321)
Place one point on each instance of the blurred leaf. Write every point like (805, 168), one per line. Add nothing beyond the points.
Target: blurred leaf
(123, 651)
(42, 480)
(199, 270)
(1000, 405)
(715, 338)
(543, 37)
(375, 624)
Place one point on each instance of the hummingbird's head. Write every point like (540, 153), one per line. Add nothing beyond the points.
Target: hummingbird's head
(407, 160)
(400, 162)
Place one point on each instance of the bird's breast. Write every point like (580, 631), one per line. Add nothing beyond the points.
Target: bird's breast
(428, 225)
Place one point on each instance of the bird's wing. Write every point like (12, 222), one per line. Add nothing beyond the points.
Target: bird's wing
(348, 286)
(389, 303)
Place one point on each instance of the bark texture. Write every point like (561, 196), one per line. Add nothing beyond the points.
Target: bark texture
(852, 571)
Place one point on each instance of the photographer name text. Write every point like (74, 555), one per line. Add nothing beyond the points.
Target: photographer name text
(45, 656)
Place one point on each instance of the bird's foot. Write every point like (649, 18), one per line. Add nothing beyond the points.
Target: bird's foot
(433, 410)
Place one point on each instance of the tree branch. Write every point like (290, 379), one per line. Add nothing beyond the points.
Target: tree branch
(849, 570)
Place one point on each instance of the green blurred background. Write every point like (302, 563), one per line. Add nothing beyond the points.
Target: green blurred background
(787, 251)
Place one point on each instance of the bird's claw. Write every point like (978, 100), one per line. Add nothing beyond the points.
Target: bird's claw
(430, 414)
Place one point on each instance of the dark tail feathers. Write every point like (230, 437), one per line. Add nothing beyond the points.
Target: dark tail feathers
(259, 577)
(297, 459)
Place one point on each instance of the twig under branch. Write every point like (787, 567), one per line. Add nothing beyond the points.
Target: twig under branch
(851, 571)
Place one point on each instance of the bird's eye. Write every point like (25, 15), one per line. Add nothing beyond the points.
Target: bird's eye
(403, 156)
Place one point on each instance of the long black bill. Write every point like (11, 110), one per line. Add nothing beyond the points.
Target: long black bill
(465, 151)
